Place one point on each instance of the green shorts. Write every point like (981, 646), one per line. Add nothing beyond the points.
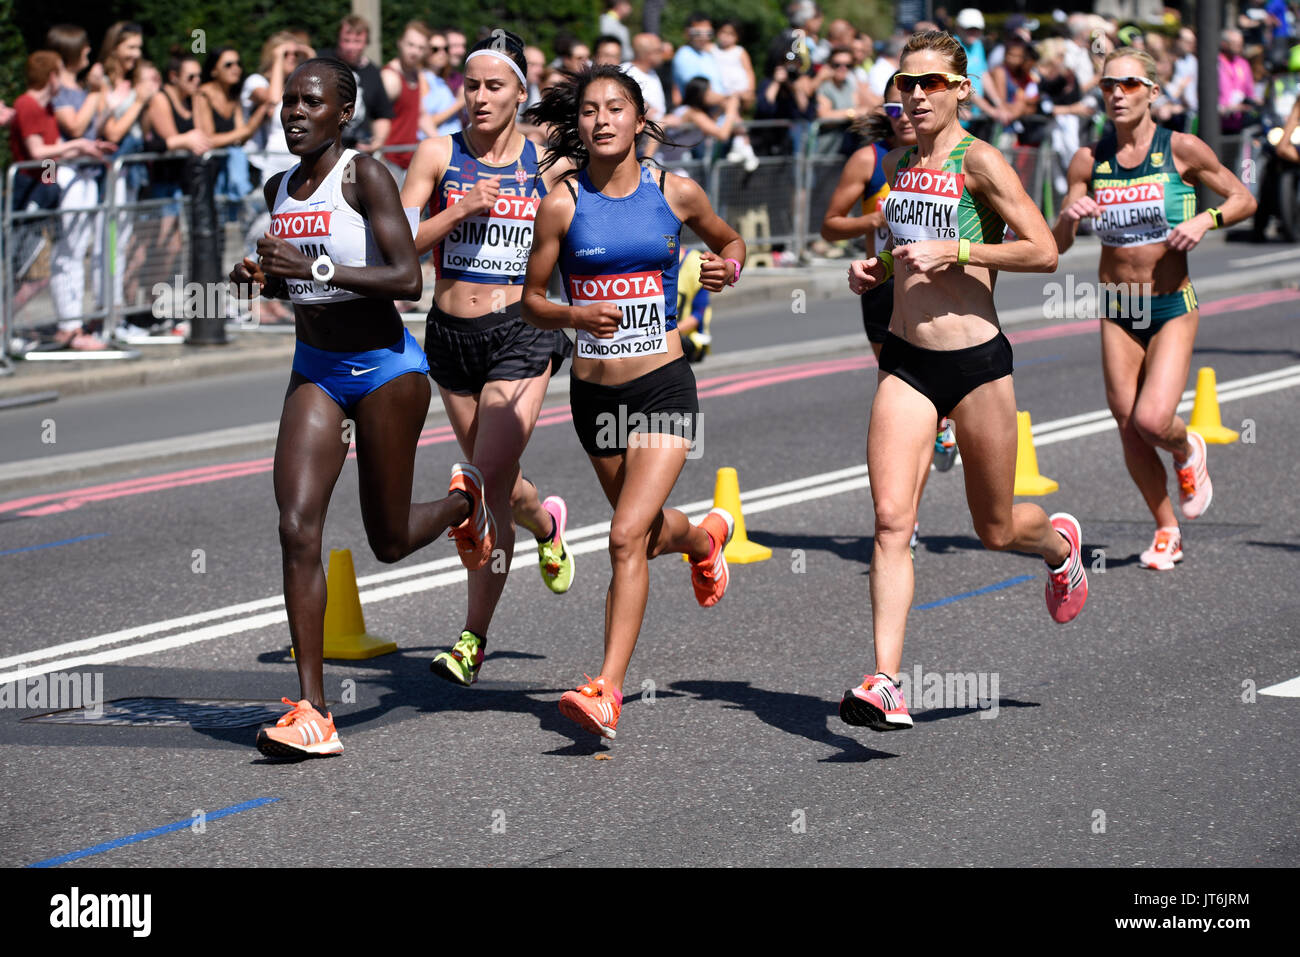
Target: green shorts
(1171, 305)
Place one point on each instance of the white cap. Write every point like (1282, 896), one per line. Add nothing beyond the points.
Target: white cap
(970, 19)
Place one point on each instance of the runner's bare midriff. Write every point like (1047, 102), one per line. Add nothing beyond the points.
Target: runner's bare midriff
(470, 299)
(1164, 268)
(945, 310)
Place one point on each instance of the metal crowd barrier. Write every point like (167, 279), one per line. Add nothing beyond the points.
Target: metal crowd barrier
(111, 260)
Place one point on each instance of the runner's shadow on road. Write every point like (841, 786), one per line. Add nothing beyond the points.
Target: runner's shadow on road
(848, 547)
(938, 714)
(944, 544)
(799, 714)
(1285, 546)
(1246, 352)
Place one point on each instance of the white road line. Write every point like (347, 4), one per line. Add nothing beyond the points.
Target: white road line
(1287, 689)
(1267, 258)
(590, 538)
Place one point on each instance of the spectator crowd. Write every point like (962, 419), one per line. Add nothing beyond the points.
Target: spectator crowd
(1035, 81)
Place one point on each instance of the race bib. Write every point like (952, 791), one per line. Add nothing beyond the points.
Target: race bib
(923, 205)
(493, 245)
(1131, 215)
(639, 297)
(309, 231)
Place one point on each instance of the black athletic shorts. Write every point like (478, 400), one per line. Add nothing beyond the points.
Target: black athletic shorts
(465, 353)
(662, 401)
(944, 376)
(877, 308)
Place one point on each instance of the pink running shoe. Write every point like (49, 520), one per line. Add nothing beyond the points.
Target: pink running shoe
(876, 704)
(593, 707)
(1067, 586)
(1195, 490)
(1166, 549)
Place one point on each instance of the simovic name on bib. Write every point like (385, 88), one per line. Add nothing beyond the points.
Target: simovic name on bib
(476, 232)
(300, 225)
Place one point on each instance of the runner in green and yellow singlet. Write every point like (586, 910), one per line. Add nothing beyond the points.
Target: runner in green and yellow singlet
(1138, 187)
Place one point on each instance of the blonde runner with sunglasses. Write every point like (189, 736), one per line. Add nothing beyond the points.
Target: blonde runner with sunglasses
(1138, 187)
(951, 199)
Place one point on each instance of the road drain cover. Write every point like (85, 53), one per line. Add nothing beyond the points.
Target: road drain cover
(204, 713)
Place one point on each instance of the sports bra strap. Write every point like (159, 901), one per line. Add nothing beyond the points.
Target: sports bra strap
(568, 184)
(663, 173)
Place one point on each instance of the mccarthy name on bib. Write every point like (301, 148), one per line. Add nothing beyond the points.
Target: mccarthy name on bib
(923, 204)
(639, 297)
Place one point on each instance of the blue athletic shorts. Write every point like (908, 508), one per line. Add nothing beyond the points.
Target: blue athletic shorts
(346, 376)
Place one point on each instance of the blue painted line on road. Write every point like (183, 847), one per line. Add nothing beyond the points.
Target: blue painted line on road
(145, 835)
(66, 541)
(998, 586)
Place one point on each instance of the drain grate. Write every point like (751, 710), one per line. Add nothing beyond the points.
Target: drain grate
(199, 713)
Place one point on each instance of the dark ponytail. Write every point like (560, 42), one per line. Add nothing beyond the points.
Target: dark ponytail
(558, 110)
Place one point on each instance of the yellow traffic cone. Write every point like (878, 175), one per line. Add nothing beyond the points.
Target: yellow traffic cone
(1205, 410)
(345, 625)
(1029, 481)
(726, 494)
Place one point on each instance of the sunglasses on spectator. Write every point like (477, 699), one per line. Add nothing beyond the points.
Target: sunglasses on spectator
(893, 110)
(700, 33)
(1129, 84)
(928, 82)
(437, 49)
(841, 65)
(189, 77)
(228, 64)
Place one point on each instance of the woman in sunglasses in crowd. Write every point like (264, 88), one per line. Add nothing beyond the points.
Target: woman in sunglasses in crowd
(1138, 187)
(863, 178)
(951, 200)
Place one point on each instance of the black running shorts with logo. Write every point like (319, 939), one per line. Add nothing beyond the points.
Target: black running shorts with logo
(663, 401)
(946, 376)
(465, 353)
(877, 308)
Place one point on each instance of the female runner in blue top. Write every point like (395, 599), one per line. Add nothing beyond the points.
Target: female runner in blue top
(632, 391)
(340, 248)
(482, 186)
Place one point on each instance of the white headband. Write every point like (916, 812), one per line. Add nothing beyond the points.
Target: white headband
(504, 59)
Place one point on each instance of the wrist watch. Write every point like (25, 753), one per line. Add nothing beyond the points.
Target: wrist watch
(322, 270)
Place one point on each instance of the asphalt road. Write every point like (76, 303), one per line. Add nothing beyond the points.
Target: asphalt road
(1120, 739)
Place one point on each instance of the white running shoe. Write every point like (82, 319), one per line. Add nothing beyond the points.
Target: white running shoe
(1166, 549)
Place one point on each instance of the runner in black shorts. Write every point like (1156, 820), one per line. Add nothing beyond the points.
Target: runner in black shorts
(863, 179)
(632, 390)
(482, 187)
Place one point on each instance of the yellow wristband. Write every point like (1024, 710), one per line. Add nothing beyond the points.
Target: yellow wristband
(963, 251)
(1216, 215)
(888, 259)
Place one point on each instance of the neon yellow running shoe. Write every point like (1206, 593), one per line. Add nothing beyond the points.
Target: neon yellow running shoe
(553, 557)
(462, 663)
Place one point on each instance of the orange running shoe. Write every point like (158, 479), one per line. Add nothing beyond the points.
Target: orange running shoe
(302, 733)
(593, 707)
(710, 576)
(477, 534)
